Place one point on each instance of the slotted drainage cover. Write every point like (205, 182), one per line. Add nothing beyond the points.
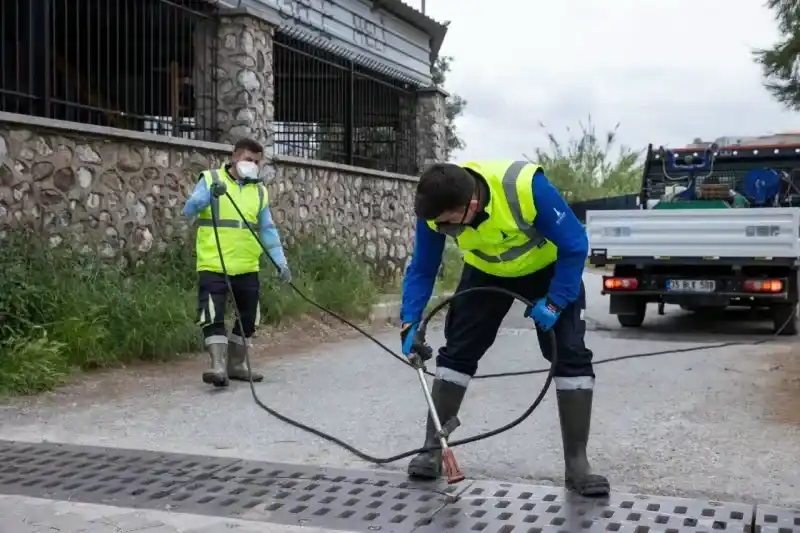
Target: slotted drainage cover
(269, 492)
(777, 520)
(97, 475)
(493, 507)
(352, 500)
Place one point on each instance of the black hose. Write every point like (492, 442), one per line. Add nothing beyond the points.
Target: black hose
(423, 326)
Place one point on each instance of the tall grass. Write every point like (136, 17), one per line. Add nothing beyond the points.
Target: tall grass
(62, 311)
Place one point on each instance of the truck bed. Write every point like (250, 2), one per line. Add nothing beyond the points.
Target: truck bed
(763, 234)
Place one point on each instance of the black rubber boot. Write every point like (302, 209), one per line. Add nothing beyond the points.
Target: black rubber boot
(237, 364)
(575, 414)
(217, 374)
(447, 398)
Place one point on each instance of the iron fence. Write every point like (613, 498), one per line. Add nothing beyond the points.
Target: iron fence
(330, 108)
(131, 64)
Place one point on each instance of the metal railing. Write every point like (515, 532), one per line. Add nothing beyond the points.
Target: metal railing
(330, 108)
(144, 65)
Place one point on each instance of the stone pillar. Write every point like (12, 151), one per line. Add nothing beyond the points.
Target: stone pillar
(431, 123)
(243, 83)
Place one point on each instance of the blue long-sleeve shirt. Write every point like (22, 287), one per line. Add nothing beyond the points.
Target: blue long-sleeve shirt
(201, 198)
(554, 220)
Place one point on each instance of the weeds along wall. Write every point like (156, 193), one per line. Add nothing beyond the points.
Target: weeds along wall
(122, 196)
(98, 259)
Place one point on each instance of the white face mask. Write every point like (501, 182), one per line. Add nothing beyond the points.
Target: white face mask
(247, 170)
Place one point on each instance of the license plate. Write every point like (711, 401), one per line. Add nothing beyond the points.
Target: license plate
(691, 285)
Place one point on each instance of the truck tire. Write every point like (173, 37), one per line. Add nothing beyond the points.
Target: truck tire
(781, 313)
(633, 320)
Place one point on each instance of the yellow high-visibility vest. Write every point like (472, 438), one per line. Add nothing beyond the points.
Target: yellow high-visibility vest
(241, 250)
(506, 244)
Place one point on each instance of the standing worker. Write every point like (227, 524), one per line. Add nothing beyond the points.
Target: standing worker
(241, 253)
(518, 233)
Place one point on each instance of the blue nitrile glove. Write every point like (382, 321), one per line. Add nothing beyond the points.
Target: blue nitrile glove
(411, 344)
(544, 313)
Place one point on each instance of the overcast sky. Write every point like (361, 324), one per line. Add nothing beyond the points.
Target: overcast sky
(667, 71)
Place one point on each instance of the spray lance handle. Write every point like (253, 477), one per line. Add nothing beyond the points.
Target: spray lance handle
(218, 188)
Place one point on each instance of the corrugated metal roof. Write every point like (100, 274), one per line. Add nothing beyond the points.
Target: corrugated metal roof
(406, 13)
(397, 8)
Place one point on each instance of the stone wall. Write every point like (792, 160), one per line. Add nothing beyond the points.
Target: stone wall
(370, 211)
(121, 194)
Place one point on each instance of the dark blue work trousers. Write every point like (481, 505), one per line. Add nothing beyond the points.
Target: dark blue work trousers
(473, 320)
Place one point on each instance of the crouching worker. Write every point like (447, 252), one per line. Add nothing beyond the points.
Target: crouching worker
(517, 233)
(241, 254)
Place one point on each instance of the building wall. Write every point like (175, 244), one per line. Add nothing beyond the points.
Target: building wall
(364, 31)
(370, 211)
(122, 193)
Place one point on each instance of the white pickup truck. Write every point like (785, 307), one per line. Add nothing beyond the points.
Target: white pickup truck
(731, 237)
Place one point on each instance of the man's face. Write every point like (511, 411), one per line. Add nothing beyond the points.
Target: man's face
(246, 164)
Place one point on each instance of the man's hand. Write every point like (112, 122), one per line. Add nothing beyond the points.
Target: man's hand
(218, 189)
(285, 274)
(544, 313)
(413, 346)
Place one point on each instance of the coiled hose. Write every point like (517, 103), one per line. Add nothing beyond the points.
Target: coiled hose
(423, 327)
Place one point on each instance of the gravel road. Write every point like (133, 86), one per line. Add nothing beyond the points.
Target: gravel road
(709, 423)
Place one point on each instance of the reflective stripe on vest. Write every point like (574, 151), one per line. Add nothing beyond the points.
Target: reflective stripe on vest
(512, 198)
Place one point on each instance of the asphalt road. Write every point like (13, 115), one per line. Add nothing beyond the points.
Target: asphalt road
(697, 424)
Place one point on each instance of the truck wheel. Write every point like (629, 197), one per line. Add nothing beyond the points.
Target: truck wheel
(781, 313)
(633, 320)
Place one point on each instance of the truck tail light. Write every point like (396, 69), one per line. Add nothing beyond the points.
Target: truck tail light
(763, 285)
(620, 284)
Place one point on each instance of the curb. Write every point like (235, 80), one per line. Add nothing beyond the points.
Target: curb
(390, 311)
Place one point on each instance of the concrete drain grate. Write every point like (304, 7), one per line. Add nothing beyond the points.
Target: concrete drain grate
(231, 488)
(97, 475)
(492, 507)
(352, 500)
(312, 503)
(777, 520)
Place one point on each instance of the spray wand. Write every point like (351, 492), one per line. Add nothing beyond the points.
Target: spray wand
(419, 356)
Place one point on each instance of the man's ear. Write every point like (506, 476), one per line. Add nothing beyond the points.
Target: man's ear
(473, 205)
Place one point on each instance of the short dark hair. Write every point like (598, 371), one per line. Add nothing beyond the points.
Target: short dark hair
(443, 187)
(248, 144)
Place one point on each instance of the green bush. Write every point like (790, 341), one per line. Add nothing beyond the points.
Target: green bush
(63, 311)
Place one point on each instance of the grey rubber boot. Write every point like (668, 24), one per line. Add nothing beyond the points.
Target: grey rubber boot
(237, 364)
(217, 375)
(575, 414)
(447, 398)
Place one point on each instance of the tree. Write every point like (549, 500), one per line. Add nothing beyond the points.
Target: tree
(454, 106)
(779, 64)
(584, 167)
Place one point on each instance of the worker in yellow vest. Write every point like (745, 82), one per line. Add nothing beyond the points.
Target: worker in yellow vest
(518, 233)
(241, 253)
